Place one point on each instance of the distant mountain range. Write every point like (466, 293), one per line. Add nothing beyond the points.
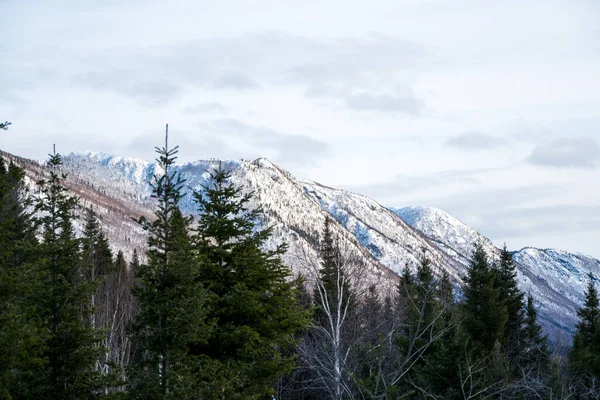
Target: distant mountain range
(384, 239)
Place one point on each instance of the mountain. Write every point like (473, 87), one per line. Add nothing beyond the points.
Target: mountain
(556, 279)
(381, 240)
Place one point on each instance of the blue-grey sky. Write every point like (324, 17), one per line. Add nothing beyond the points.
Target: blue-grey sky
(488, 110)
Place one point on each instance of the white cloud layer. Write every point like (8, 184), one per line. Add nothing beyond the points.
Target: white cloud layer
(487, 110)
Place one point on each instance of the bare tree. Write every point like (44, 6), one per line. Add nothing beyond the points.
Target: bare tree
(330, 347)
(116, 311)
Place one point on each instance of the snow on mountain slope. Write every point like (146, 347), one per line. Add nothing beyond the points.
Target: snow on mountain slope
(295, 217)
(565, 273)
(556, 279)
(448, 233)
(384, 240)
(384, 234)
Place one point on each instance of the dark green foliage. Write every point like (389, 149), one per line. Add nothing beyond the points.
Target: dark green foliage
(254, 304)
(96, 254)
(512, 298)
(333, 288)
(428, 332)
(4, 125)
(534, 350)
(484, 311)
(21, 333)
(584, 357)
(171, 300)
(72, 345)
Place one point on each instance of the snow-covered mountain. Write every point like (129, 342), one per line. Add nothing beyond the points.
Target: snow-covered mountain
(556, 279)
(382, 240)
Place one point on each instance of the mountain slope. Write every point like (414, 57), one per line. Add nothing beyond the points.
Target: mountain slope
(556, 279)
(382, 240)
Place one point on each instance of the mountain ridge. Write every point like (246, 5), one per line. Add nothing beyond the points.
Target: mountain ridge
(384, 239)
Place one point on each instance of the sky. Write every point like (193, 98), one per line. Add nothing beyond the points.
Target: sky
(488, 110)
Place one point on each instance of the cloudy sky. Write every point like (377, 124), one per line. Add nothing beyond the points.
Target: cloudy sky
(489, 110)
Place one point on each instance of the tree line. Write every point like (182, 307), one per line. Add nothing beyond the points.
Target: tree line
(213, 314)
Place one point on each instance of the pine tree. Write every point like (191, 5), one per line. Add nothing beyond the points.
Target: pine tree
(171, 300)
(441, 375)
(484, 311)
(535, 348)
(255, 304)
(333, 288)
(584, 357)
(21, 333)
(424, 328)
(72, 346)
(97, 263)
(512, 298)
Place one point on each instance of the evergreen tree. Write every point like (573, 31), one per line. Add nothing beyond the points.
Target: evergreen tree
(441, 375)
(21, 333)
(171, 300)
(333, 288)
(484, 312)
(134, 265)
(425, 327)
(446, 291)
(535, 347)
(97, 262)
(584, 356)
(255, 304)
(72, 345)
(512, 298)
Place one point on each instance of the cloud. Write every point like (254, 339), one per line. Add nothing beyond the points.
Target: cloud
(148, 90)
(235, 81)
(368, 73)
(405, 184)
(559, 218)
(256, 141)
(209, 107)
(228, 138)
(566, 153)
(476, 141)
(385, 103)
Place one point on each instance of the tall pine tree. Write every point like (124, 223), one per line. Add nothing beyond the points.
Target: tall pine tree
(484, 311)
(255, 303)
(534, 350)
(171, 300)
(584, 357)
(72, 346)
(21, 329)
(513, 299)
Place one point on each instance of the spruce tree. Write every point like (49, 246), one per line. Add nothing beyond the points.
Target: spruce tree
(512, 297)
(72, 346)
(584, 357)
(534, 344)
(97, 263)
(333, 287)
(255, 304)
(171, 300)
(424, 328)
(21, 329)
(484, 312)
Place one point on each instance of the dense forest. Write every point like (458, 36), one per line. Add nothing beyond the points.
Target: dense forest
(211, 314)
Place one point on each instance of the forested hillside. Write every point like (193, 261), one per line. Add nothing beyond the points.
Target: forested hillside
(244, 283)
